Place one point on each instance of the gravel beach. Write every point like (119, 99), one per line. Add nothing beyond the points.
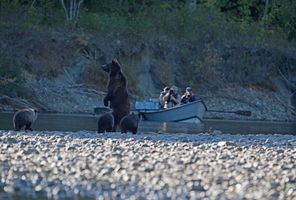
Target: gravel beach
(79, 165)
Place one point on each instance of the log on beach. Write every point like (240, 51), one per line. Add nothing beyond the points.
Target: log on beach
(147, 166)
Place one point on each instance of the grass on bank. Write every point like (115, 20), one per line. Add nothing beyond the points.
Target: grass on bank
(180, 24)
(204, 26)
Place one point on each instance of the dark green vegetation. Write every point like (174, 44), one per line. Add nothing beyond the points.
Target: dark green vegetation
(230, 42)
(173, 18)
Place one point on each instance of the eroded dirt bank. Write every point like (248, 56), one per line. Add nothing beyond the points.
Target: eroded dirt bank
(60, 72)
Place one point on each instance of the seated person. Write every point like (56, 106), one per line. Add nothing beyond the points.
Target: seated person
(188, 96)
(163, 96)
(177, 94)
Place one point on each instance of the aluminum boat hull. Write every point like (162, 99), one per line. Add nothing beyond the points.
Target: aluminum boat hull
(190, 112)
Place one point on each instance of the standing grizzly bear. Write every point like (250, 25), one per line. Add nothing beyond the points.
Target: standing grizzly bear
(105, 123)
(117, 93)
(24, 117)
(130, 123)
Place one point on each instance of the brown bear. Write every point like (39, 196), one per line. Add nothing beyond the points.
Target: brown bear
(130, 123)
(24, 117)
(293, 100)
(105, 123)
(117, 93)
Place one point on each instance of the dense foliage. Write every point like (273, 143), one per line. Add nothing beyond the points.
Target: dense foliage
(168, 16)
(202, 35)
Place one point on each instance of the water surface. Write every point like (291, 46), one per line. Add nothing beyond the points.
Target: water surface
(77, 122)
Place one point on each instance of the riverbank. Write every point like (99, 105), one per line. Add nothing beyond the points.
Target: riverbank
(61, 96)
(88, 122)
(264, 105)
(156, 166)
(66, 77)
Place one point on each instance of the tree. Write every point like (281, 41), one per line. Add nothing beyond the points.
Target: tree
(192, 4)
(71, 8)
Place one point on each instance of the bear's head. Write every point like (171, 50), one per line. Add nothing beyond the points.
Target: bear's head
(112, 68)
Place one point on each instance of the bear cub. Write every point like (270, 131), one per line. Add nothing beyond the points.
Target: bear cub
(24, 118)
(105, 123)
(129, 123)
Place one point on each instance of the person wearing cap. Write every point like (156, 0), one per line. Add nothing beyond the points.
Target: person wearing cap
(163, 97)
(188, 96)
(175, 97)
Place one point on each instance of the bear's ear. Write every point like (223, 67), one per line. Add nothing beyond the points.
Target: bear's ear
(115, 61)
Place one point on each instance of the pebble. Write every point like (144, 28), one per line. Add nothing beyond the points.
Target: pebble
(73, 165)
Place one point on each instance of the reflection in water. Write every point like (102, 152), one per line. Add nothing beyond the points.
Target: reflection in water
(164, 127)
(171, 127)
(66, 122)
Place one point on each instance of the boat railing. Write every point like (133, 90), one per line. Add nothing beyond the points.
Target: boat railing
(147, 105)
(154, 105)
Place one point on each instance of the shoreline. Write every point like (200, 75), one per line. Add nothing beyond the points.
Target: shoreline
(82, 114)
(59, 165)
(263, 105)
(88, 122)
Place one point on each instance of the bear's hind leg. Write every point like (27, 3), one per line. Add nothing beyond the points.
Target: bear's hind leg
(109, 129)
(28, 127)
(17, 128)
(135, 131)
(115, 127)
(100, 131)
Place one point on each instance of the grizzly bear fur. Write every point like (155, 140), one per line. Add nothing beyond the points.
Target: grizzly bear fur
(293, 100)
(117, 93)
(129, 123)
(24, 118)
(105, 123)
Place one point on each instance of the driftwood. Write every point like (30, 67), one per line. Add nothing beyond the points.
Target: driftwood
(229, 97)
(15, 102)
(42, 107)
(19, 103)
(84, 89)
(286, 105)
(287, 79)
(69, 77)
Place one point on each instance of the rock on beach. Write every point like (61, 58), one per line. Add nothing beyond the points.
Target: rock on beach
(60, 165)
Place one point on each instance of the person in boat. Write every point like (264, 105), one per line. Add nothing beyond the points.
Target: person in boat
(188, 96)
(169, 97)
(175, 98)
(163, 96)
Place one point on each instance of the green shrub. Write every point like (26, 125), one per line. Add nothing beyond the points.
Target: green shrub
(10, 71)
(203, 69)
(175, 23)
(94, 76)
(10, 77)
(109, 24)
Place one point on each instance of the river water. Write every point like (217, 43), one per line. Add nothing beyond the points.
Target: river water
(78, 122)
